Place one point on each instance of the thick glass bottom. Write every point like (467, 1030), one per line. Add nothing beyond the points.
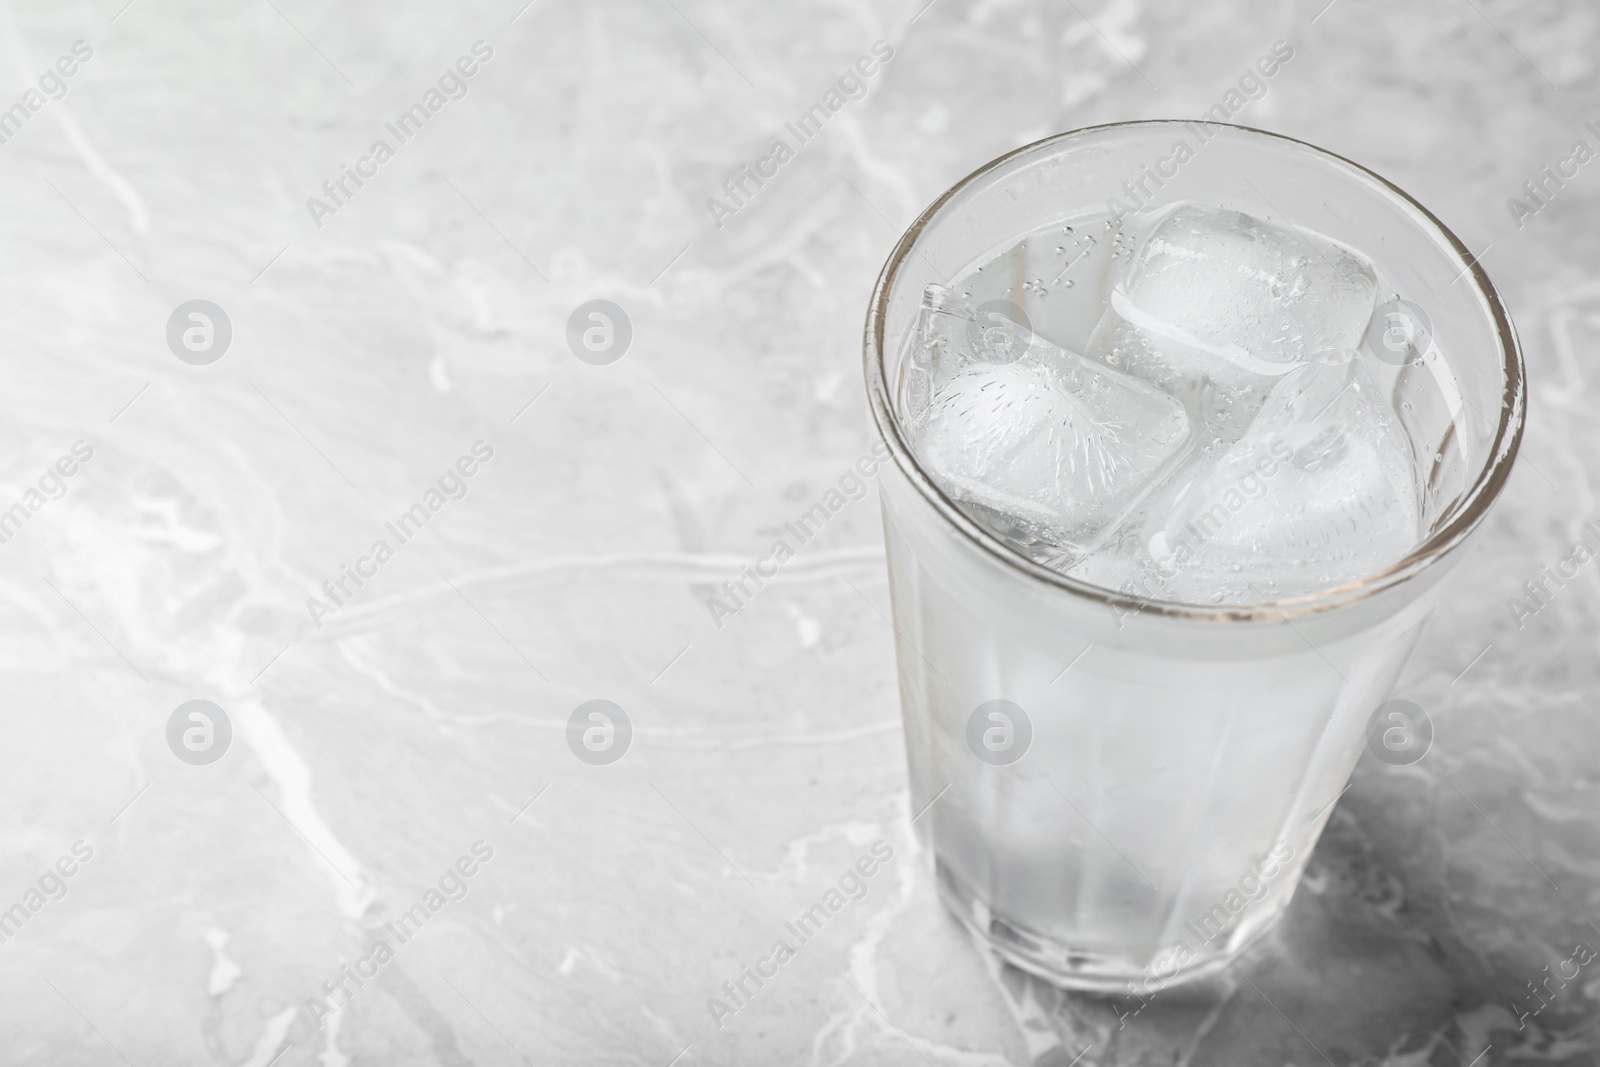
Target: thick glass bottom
(1071, 968)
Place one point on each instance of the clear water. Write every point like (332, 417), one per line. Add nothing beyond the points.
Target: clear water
(1192, 405)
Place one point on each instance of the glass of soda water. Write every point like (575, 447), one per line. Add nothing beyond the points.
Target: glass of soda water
(1188, 422)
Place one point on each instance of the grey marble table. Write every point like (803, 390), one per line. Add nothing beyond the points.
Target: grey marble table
(395, 765)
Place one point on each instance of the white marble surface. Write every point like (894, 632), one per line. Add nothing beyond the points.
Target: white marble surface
(424, 315)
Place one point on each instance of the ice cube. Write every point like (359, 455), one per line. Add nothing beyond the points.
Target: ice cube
(1320, 490)
(1037, 441)
(1251, 292)
(1215, 306)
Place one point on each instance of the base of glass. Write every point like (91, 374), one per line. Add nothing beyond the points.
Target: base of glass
(1077, 969)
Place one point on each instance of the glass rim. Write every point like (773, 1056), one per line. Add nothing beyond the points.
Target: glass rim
(1472, 509)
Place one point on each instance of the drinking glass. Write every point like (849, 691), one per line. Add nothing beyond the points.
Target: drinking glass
(1117, 792)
